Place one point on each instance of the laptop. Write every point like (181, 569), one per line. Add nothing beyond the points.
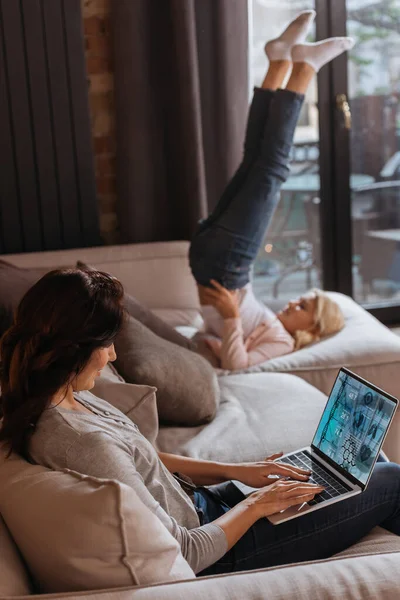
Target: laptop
(345, 447)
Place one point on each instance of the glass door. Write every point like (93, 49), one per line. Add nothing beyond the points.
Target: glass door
(364, 170)
(289, 261)
(373, 91)
(337, 225)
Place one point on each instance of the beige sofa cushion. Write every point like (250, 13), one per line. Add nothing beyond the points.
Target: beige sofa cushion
(81, 533)
(14, 579)
(364, 578)
(137, 402)
(258, 414)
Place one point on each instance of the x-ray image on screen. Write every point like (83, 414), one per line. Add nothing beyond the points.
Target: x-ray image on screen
(353, 425)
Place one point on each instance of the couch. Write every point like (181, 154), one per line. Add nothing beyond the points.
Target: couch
(268, 408)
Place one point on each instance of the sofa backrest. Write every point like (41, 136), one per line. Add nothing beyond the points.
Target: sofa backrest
(157, 274)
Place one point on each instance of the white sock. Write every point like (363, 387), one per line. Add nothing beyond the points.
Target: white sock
(295, 33)
(319, 54)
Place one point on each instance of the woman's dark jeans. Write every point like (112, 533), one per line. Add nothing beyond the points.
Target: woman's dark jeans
(315, 536)
(226, 243)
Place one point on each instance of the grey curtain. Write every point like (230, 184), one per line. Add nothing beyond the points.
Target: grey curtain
(181, 102)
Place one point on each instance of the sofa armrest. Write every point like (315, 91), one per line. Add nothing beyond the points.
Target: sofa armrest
(354, 577)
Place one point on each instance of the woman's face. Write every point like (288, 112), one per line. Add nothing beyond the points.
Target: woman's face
(100, 357)
(298, 315)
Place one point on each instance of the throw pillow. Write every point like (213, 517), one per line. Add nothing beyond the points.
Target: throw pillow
(137, 402)
(14, 283)
(14, 580)
(148, 318)
(187, 385)
(81, 533)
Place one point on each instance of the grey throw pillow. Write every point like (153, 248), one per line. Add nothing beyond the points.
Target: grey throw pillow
(148, 318)
(137, 402)
(14, 283)
(187, 385)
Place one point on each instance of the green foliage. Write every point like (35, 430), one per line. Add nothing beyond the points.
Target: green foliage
(374, 23)
(362, 62)
(372, 34)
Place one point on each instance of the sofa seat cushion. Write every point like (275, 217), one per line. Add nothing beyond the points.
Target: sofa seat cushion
(259, 414)
(362, 578)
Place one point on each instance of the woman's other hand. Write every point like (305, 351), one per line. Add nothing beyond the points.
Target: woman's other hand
(280, 496)
(257, 474)
(225, 301)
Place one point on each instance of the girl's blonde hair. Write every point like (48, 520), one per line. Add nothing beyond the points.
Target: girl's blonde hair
(328, 319)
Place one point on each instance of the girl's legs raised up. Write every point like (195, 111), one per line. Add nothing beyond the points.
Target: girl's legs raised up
(278, 53)
(226, 244)
(225, 247)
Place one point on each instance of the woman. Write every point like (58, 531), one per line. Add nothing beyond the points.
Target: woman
(239, 329)
(61, 339)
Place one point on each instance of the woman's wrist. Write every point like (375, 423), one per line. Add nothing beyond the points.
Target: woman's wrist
(231, 471)
(236, 521)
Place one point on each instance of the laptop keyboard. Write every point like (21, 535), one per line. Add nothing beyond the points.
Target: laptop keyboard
(333, 486)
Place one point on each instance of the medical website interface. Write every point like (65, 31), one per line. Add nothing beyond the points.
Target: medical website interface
(353, 424)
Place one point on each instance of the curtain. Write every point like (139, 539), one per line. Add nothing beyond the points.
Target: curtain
(47, 180)
(181, 102)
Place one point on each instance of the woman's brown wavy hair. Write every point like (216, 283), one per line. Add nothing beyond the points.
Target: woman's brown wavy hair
(60, 321)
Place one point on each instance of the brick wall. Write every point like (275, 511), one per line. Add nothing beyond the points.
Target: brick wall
(96, 20)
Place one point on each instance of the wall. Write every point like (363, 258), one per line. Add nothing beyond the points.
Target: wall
(96, 19)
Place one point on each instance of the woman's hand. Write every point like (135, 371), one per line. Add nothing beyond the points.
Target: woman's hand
(225, 301)
(257, 474)
(279, 496)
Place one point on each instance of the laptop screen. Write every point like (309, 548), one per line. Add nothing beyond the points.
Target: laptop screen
(353, 425)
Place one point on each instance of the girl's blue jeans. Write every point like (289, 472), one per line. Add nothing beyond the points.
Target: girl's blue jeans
(226, 243)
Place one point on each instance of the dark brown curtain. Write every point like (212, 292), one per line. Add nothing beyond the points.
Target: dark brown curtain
(47, 184)
(181, 102)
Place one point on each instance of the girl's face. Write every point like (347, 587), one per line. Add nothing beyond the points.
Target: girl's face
(100, 357)
(298, 315)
